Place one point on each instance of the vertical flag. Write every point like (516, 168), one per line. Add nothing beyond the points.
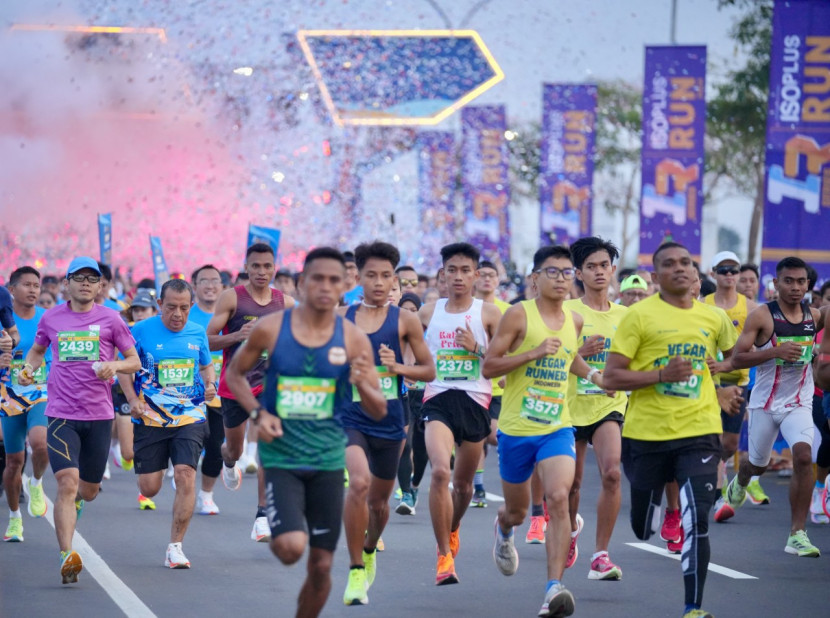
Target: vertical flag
(486, 185)
(674, 124)
(268, 235)
(160, 270)
(105, 237)
(797, 164)
(436, 189)
(567, 162)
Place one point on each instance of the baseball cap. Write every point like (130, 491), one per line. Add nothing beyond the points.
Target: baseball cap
(143, 298)
(724, 256)
(79, 263)
(633, 282)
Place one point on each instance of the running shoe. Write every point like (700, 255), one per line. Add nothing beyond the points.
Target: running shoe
(175, 558)
(558, 602)
(107, 473)
(345, 478)
(14, 533)
(232, 477)
(414, 491)
(722, 510)
(115, 452)
(407, 504)
(455, 542)
(479, 500)
(445, 571)
(370, 566)
(825, 496)
(603, 568)
(398, 493)
(79, 508)
(205, 505)
(573, 550)
(670, 531)
(356, 588)
(37, 500)
(261, 532)
(127, 464)
(145, 503)
(817, 515)
(800, 545)
(676, 547)
(381, 546)
(697, 613)
(71, 566)
(251, 466)
(536, 534)
(504, 551)
(755, 493)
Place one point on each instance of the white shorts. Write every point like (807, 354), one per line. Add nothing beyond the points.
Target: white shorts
(796, 425)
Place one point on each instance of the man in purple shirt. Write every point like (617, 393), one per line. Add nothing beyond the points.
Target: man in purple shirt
(85, 339)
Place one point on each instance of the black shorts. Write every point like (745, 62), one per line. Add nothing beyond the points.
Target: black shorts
(119, 401)
(495, 407)
(468, 421)
(414, 401)
(155, 446)
(732, 422)
(650, 465)
(310, 501)
(586, 432)
(382, 454)
(233, 415)
(79, 444)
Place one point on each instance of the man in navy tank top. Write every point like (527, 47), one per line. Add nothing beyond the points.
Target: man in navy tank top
(236, 312)
(318, 360)
(374, 448)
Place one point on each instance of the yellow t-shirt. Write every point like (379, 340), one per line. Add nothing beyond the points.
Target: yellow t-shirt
(737, 316)
(498, 391)
(587, 403)
(535, 398)
(651, 332)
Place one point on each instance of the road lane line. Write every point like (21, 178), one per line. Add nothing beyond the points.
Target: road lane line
(490, 497)
(715, 568)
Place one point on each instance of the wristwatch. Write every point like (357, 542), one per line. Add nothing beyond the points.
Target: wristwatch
(255, 413)
(591, 373)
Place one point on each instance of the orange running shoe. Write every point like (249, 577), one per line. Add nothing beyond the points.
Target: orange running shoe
(445, 571)
(455, 542)
(536, 533)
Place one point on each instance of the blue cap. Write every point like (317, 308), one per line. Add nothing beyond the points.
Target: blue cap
(79, 263)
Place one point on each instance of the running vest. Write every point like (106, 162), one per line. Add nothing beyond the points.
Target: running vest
(456, 368)
(786, 385)
(247, 310)
(737, 314)
(535, 400)
(391, 427)
(306, 388)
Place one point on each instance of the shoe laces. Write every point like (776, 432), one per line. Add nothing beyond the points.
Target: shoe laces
(602, 563)
(445, 563)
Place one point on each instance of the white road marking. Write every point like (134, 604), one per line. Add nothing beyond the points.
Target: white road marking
(715, 568)
(490, 497)
(118, 591)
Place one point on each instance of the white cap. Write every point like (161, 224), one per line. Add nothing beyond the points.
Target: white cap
(529, 270)
(724, 256)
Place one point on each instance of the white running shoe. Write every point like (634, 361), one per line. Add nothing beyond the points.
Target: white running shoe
(107, 473)
(251, 466)
(817, 515)
(205, 504)
(175, 558)
(504, 552)
(261, 532)
(232, 477)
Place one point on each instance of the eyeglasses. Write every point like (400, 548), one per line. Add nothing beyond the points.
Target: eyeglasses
(551, 272)
(209, 282)
(409, 282)
(727, 270)
(488, 275)
(81, 278)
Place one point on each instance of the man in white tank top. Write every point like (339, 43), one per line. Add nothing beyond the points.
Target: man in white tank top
(783, 332)
(458, 330)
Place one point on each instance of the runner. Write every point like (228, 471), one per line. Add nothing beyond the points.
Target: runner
(314, 355)
(167, 405)
(236, 311)
(672, 426)
(782, 332)
(633, 289)
(749, 282)
(596, 416)
(408, 279)
(455, 403)
(22, 412)
(374, 448)
(83, 338)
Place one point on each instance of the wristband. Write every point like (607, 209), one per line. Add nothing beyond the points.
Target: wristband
(29, 367)
(480, 351)
(591, 373)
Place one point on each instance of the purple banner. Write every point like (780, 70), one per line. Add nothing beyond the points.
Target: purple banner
(674, 124)
(486, 185)
(437, 171)
(567, 162)
(797, 200)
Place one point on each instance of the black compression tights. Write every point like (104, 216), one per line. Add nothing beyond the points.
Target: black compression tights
(212, 461)
(419, 453)
(405, 464)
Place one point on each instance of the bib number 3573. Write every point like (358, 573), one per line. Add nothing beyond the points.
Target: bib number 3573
(542, 406)
(78, 346)
(305, 399)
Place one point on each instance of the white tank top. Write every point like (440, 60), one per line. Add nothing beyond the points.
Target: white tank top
(457, 369)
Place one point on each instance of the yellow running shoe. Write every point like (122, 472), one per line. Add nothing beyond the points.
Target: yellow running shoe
(370, 566)
(37, 501)
(14, 533)
(127, 464)
(356, 588)
(144, 503)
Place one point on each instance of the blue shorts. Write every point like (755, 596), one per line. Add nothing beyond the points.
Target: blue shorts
(15, 428)
(825, 403)
(518, 455)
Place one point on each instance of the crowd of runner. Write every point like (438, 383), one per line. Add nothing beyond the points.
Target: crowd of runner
(335, 383)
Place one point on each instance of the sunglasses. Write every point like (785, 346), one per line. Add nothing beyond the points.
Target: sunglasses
(81, 278)
(727, 270)
(410, 282)
(551, 272)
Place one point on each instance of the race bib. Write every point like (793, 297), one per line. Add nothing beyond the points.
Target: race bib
(39, 375)
(305, 399)
(176, 372)
(806, 343)
(79, 345)
(388, 385)
(542, 405)
(586, 387)
(456, 365)
(218, 361)
(690, 389)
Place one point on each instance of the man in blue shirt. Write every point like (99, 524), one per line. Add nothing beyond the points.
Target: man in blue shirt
(167, 405)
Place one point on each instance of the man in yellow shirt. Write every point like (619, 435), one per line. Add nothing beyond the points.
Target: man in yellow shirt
(672, 426)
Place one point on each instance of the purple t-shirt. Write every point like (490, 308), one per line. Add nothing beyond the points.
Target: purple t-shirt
(77, 341)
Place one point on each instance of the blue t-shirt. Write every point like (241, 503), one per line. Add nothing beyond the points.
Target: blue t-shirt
(174, 393)
(18, 399)
(353, 296)
(202, 318)
(6, 311)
